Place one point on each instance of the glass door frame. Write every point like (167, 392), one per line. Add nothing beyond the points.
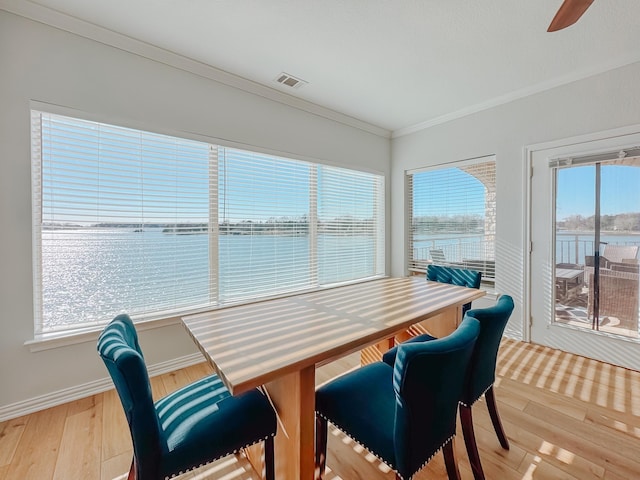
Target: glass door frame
(539, 248)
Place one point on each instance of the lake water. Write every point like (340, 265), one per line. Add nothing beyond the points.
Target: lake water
(91, 276)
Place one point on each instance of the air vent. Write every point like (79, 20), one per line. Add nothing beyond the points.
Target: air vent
(290, 80)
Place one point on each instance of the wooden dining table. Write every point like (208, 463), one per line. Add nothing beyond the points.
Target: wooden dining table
(279, 343)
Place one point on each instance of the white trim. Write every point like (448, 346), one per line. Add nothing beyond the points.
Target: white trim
(527, 154)
(518, 94)
(53, 18)
(490, 157)
(70, 394)
(64, 338)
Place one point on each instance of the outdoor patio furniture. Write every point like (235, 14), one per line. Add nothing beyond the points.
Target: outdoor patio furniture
(621, 258)
(437, 255)
(618, 297)
(620, 253)
(569, 278)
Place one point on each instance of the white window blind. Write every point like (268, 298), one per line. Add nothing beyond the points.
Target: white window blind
(350, 225)
(264, 235)
(153, 225)
(122, 222)
(453, 217)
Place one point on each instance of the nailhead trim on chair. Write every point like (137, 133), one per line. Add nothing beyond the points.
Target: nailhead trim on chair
(485, 391)
(381, 459)
(221, 456)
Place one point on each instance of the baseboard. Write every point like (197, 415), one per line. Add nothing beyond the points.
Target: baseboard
(59, 397)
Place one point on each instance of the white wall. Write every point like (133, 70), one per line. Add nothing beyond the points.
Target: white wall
(45, 64)
(606, 101)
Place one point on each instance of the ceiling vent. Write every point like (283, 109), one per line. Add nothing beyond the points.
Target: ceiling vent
(290, 80)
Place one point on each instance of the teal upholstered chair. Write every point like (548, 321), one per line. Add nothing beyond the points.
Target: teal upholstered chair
(482, 374)
(191, 427)
(452, 276)
(455, 276)
(403, 414)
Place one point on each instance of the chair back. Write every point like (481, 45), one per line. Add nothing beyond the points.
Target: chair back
(119, 349)
(482, 370)
(620, 253)
(455, 276)
(428, 381)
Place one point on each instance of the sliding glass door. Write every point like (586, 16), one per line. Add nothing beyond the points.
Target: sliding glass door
(597, 234)
(585, 241)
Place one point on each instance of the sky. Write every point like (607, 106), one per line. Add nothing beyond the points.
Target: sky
(447, 192)
(96, 173)
(620, 190)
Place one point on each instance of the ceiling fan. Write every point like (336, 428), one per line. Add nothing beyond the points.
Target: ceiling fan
(568, 14)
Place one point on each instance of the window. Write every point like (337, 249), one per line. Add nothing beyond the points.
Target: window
(596, 227)
(126, 220)
(452, 215)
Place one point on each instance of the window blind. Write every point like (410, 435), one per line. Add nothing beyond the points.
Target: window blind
(154, 225)
(452, 217)
(264, 236)
(350, 225)
(122, 223)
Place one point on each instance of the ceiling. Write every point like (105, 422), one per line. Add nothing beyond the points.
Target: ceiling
(399, 65)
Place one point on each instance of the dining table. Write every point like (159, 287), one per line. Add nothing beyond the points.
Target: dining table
(277, 344)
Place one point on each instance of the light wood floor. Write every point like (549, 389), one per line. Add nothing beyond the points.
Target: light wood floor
(567, 418)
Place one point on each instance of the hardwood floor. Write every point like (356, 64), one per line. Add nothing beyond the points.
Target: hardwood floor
(567, 417)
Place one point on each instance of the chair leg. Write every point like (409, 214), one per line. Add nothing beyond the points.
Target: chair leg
(495, 418)
(269, 467)
(466, 420)
(132, 470)
(450, 461)
(321, 446)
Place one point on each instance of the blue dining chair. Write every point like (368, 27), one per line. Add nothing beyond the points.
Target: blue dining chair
(452, 276)
(455, 276)
(402, 414)
(188, 428)
(482, 374)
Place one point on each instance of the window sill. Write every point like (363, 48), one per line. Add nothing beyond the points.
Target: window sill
(50, 341)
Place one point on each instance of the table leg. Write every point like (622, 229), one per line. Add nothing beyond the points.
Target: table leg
(293, 397)
(443, 324)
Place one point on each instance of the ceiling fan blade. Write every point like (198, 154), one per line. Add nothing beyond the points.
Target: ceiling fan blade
(568, 14)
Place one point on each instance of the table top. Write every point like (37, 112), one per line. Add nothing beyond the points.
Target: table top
(568, 273)
(253, 344)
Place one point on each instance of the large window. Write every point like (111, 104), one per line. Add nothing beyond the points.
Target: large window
(452, 216)
(156, 226)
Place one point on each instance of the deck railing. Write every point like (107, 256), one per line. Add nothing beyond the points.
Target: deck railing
(471, 253)
(573, 249)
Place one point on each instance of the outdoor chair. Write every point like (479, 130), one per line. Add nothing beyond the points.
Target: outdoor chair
(404, 413)
(438, 256)
(482, 368)
(620, 253)
(188, 428)
(618, 297)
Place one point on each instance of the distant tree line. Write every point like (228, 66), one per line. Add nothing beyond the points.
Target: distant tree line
(623, 222)
(449, 224)
(346, 225)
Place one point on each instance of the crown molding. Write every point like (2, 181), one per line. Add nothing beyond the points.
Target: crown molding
(518, 94)
(62, 21)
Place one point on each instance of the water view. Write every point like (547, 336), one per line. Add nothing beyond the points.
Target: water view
(164, 271)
